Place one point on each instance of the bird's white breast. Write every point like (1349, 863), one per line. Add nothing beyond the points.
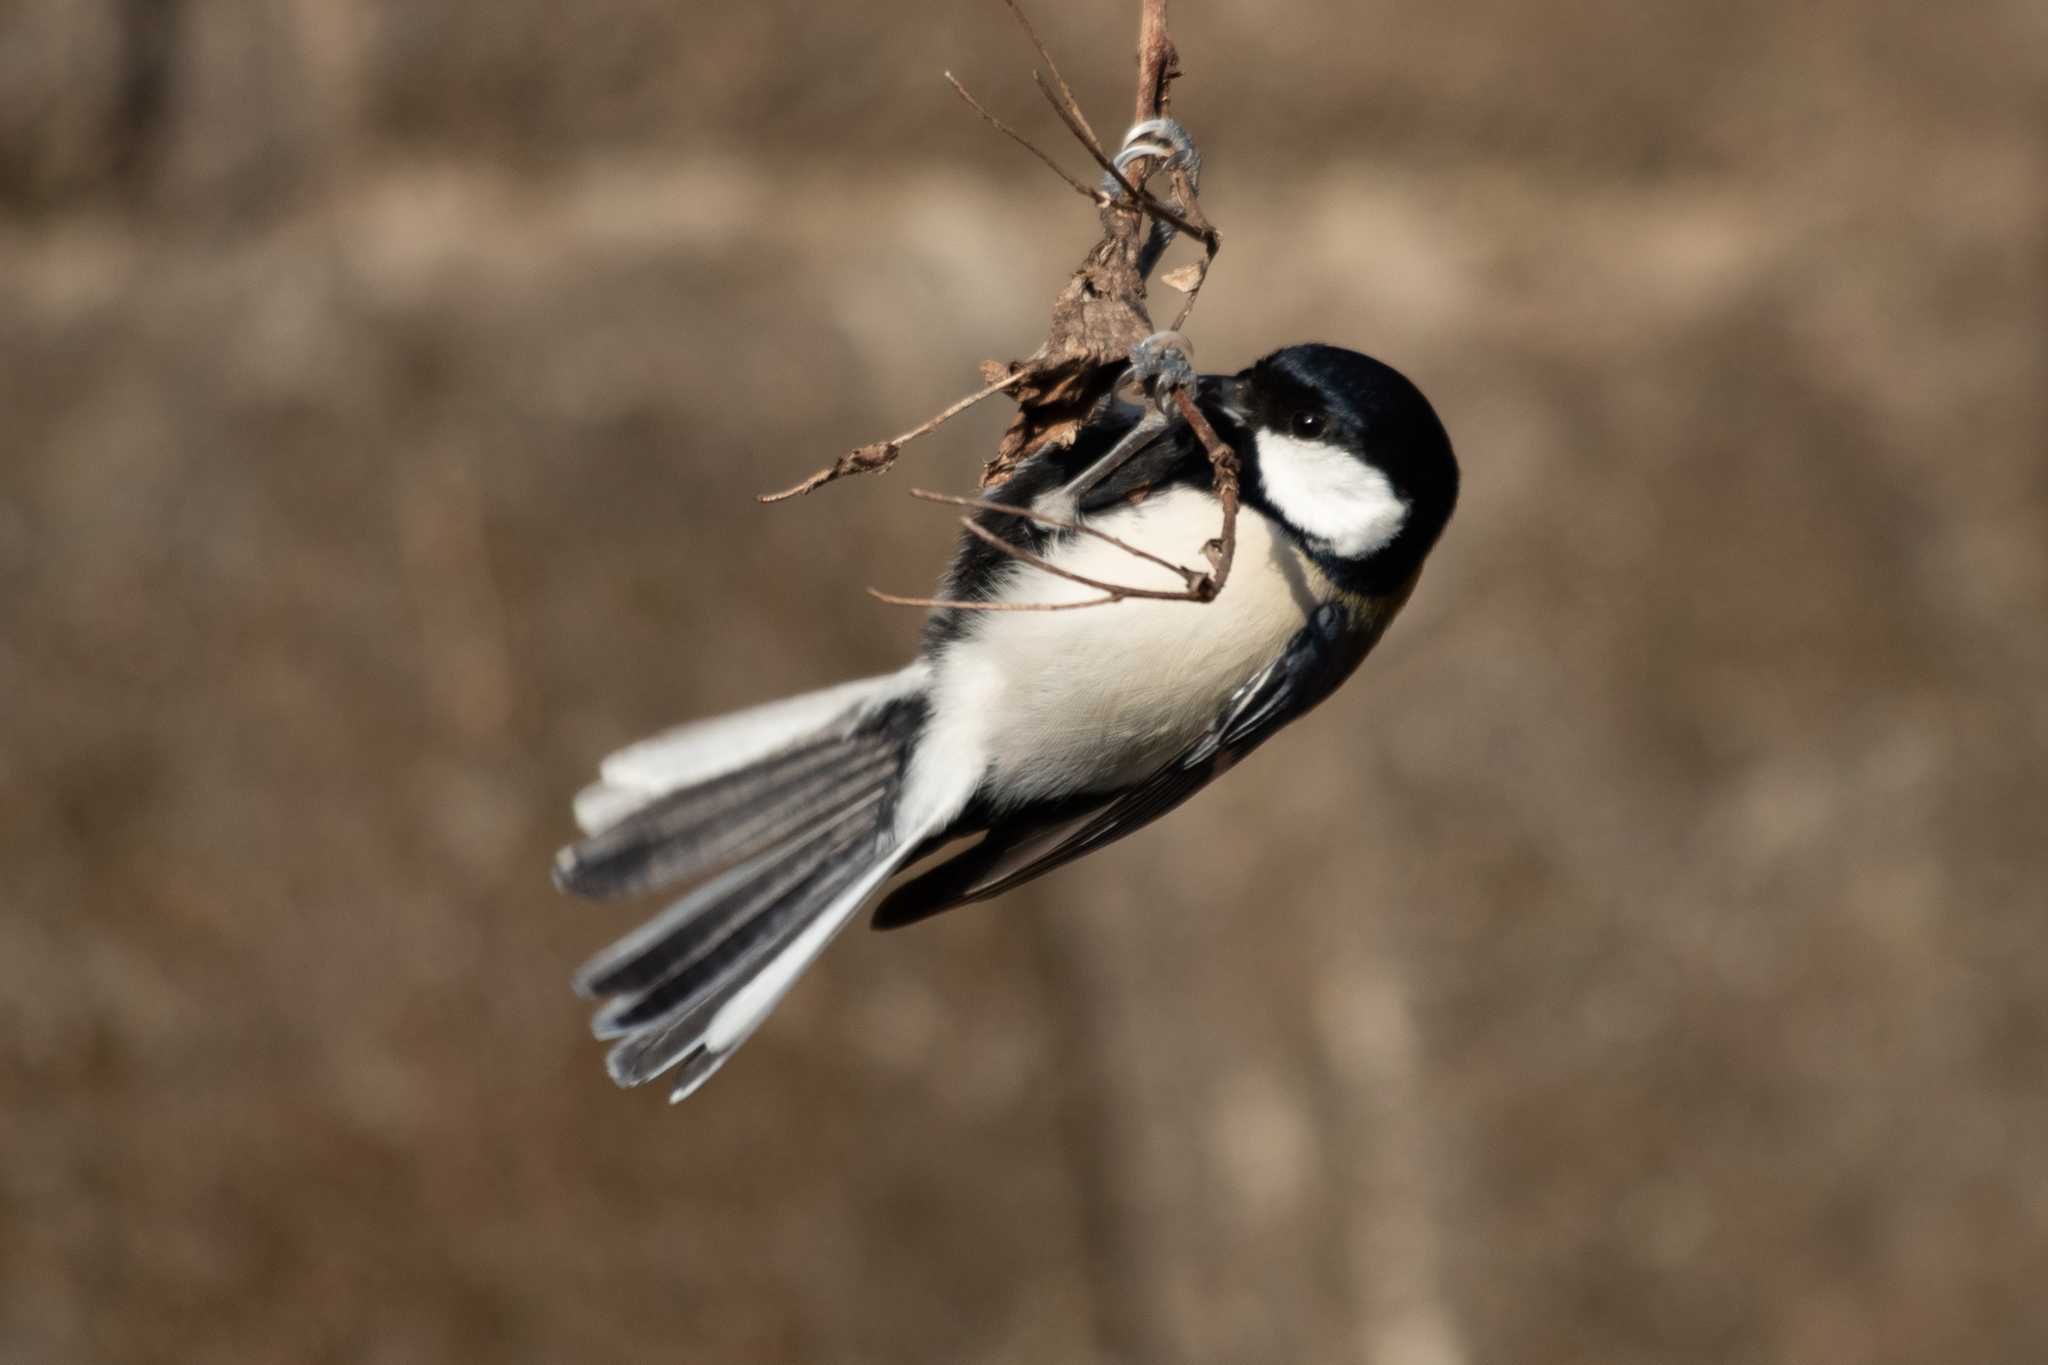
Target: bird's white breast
(1064, 701)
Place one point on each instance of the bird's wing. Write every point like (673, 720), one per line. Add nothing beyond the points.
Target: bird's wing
(1319, 657)
(1020, 840)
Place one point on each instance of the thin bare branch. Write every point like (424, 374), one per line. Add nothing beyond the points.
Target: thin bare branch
(1212, 241)
(1097, 196)
(1068, 106)
(1201, 587)
(1057, 524)
(879, 456)
(1158, 62)
(893, 600)
(1077, 124)
(1223, 460)
(1139, 198)
(1115, 590)
(1096, 318)
(1152, 32)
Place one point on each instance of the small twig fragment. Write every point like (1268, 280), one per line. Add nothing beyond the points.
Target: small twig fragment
(1098, 321)
(1211, 240)
(1115, 590)
(1223, 460)
(937, 603)
(1069, 107)
(1058, 524)
(1138, 197)
(1093, 195)
(1158, 62)
(879, 455)
(1200, 587)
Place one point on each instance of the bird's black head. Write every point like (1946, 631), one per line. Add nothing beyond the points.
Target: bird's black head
(1348, 455)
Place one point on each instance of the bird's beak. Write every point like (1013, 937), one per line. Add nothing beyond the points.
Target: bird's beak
(1225, 394)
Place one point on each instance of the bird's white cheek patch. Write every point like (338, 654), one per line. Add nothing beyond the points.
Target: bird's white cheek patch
(1330, 494)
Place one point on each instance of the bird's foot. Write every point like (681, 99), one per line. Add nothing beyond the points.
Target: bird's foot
(1160, 364)
(1163, 139)
(1169, 146)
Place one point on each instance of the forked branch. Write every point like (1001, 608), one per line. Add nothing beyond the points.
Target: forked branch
(1223, 465)
(1097, 197)
(1058, 524)
(1100, 314)
(1198, 586)
(880, 455)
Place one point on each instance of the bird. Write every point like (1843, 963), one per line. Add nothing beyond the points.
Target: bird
(1037, 719)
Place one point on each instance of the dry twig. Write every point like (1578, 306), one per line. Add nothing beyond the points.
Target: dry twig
(1200, 587)
(1100, 314)
(1097, 197)
(1224, 461)
(882, 454)
(1057, 524)
(1096, 320)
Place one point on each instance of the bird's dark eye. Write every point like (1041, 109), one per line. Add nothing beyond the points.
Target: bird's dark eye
(1308, 425)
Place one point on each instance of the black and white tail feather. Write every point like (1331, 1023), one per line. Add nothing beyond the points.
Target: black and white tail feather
(797, 806)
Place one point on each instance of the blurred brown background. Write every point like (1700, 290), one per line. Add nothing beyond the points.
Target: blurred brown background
(1644, 960)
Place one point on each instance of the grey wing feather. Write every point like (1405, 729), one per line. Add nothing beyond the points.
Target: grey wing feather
(1018, 843)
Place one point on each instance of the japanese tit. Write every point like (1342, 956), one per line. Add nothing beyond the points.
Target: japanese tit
(1046, 732)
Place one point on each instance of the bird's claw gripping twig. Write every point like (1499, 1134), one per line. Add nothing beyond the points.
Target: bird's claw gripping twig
(1165, 141)
(1093, 315)
(1160, 364)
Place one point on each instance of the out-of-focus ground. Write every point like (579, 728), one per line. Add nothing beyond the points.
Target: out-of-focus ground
(1645, 959)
